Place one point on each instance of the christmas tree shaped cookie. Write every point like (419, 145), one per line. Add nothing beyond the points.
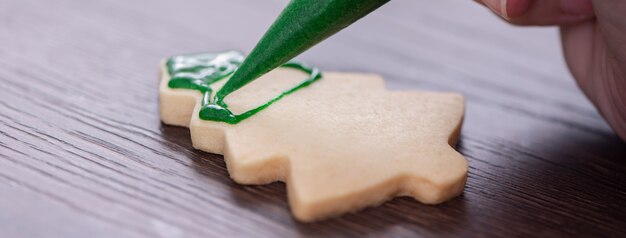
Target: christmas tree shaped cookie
(341, 141)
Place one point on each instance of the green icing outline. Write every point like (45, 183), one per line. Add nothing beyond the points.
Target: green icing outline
(199, 71)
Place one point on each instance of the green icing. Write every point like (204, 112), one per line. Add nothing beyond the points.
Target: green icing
(300, 26)
(200, 71)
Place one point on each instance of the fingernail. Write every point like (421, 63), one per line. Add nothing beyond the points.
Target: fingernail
(577, 7)
(498, 6)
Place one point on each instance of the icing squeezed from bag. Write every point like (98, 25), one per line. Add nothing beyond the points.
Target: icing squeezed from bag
(200, 71)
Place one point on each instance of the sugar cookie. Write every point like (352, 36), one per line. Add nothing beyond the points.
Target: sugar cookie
(340, 144)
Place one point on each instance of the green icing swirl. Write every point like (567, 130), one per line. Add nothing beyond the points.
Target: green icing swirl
(200, 71)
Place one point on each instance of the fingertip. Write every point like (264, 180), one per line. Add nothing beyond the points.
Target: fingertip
(516, 8)
(542, 12)
(509, 8)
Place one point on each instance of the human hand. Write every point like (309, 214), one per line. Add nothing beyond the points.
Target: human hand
(593, 33)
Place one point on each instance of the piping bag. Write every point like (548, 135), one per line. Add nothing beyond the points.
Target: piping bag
(300, 26)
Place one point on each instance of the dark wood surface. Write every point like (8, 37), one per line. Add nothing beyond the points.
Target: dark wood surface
(83, 153)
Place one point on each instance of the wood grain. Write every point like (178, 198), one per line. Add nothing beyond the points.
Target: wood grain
(83, 153)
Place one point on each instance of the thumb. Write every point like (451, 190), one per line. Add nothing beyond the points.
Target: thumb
(542, 12)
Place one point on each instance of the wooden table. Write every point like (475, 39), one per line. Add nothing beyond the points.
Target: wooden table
(83, 153)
